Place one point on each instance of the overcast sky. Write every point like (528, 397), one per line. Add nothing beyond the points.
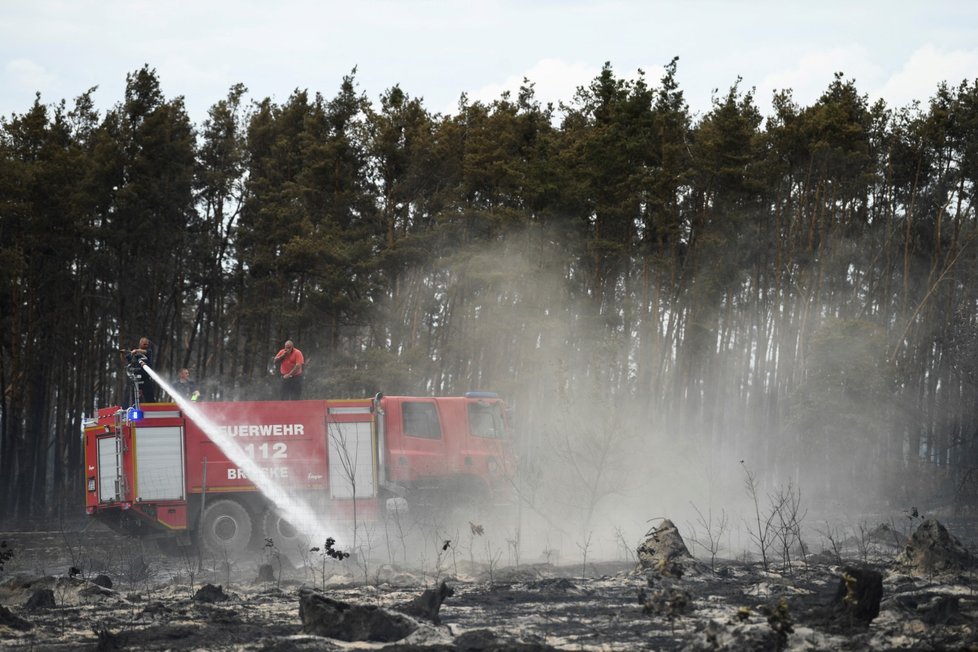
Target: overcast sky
(898, 50)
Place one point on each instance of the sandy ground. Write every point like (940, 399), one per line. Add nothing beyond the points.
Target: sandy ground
(156, 602)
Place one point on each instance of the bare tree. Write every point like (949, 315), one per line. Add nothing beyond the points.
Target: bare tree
(713, 531)
(347, 453)
(760, 530)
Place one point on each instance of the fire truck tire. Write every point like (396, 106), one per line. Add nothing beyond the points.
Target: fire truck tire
(226, 528)
(281, 532)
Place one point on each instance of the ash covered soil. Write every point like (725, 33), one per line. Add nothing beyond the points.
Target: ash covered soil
(92, 589)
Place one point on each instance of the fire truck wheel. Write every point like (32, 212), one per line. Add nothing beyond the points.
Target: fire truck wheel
(281, 532)
(226, 528)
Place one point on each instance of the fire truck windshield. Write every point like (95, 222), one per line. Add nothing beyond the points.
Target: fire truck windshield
(486, 420)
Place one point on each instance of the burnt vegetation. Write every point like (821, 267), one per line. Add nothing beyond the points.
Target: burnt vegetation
(879, 596)
(6, 554)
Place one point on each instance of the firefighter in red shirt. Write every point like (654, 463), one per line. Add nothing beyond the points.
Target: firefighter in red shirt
(290, 368)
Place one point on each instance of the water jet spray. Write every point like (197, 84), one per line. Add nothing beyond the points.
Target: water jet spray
(296, 511)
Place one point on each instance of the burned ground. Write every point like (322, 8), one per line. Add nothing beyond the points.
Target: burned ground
(92, 589)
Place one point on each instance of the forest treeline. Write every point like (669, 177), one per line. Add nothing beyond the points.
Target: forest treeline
(796, 284)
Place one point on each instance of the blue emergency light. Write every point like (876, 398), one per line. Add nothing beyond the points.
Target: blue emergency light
(134, 414)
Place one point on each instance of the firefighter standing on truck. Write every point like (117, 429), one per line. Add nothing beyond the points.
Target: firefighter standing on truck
(185, 385)
(145, 387)
(290, 368)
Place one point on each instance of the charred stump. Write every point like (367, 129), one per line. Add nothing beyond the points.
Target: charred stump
(859, 594)
(266, 573)
(931, 549)
(103, 580)
(211, 593)
(428, 604)
(324, 616)
(665, 551)
(41, 599)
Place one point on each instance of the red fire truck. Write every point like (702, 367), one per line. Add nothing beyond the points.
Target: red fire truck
(162, 472)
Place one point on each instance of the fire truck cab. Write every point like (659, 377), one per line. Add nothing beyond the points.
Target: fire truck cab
(209, 472)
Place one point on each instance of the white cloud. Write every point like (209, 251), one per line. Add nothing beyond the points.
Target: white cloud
(917, 79)
(28, 74)
(811, 75)
(924, 70)
(554, 81)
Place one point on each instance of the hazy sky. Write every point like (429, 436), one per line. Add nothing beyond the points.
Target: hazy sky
(898, 50)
